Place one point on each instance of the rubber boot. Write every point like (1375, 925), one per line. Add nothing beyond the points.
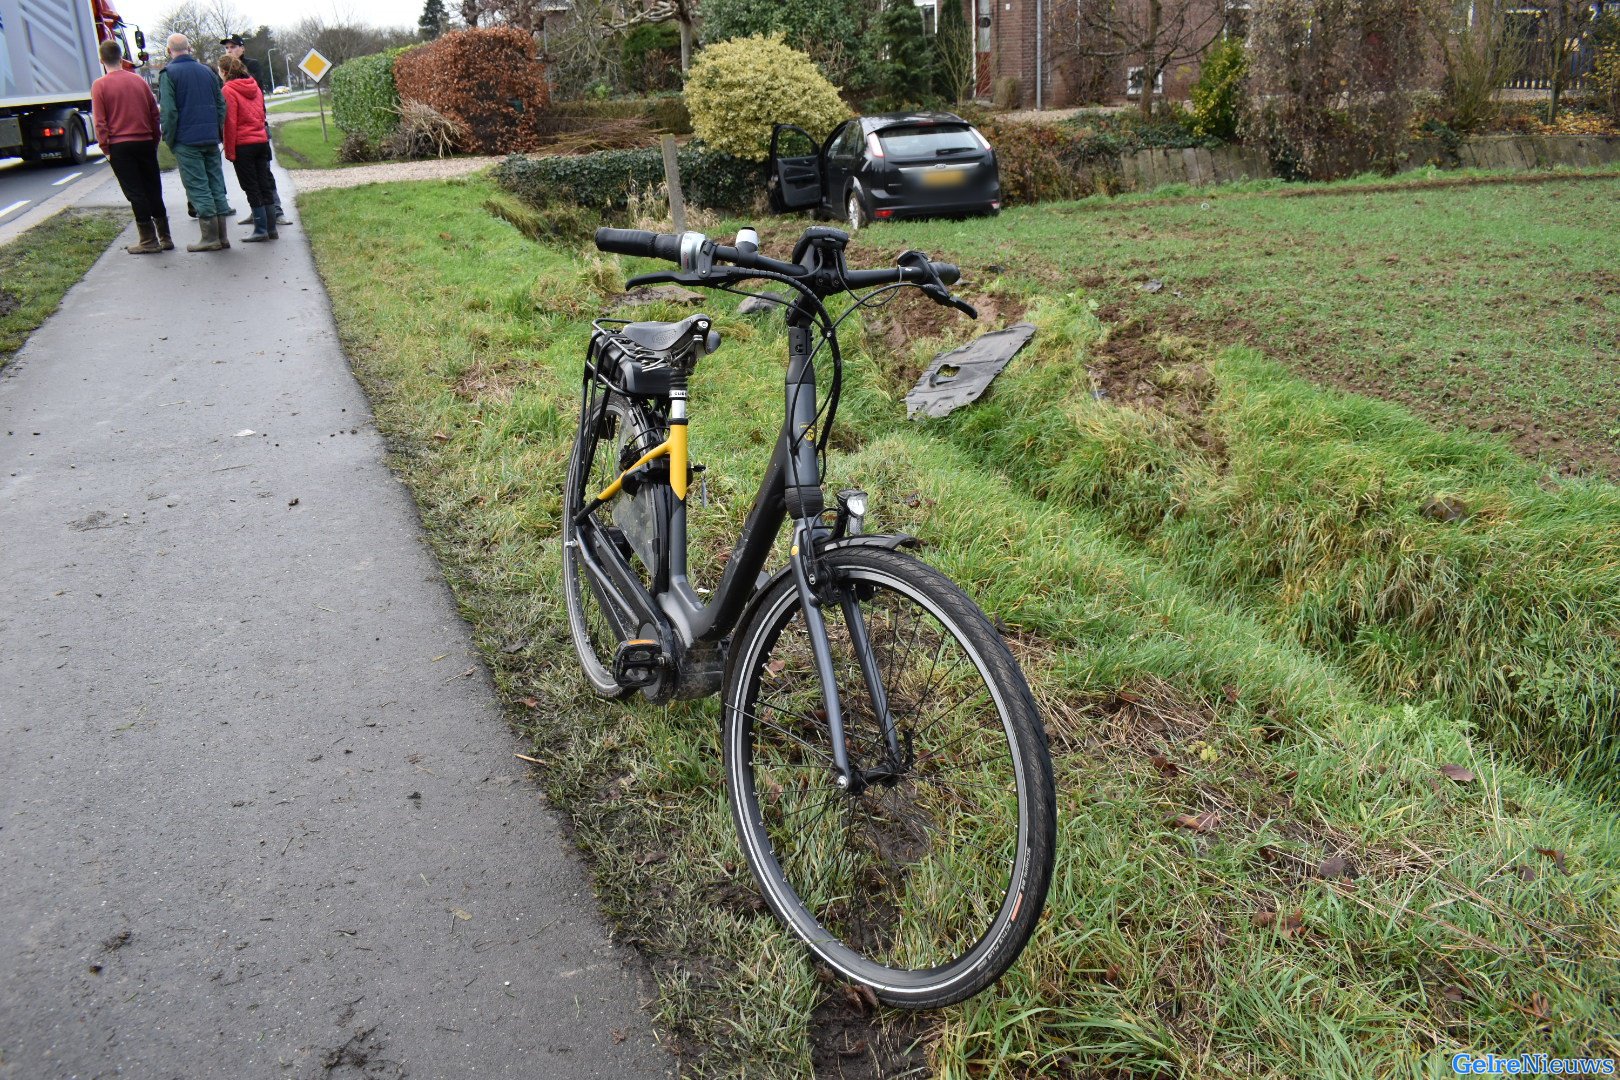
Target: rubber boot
(260, 233)
(277, 218)
(249, 219)
(148, 244)
(222, 228)
(165, 241)
(191, 208)
(270, 223)
(210, 235)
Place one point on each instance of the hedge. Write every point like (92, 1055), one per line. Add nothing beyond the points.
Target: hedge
(363, 96)
(487, 81)
(604, 181)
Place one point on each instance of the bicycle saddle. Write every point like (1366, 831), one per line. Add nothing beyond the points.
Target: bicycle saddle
(663, 337)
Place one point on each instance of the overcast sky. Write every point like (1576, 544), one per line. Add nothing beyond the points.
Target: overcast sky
(148, 13)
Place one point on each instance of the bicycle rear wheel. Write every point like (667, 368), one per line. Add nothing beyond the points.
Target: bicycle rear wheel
(608, 422)
(926, 878)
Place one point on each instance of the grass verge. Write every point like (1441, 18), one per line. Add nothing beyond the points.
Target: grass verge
(1368, 889)
(1432, 566)
(40, 266)
(1492, 303)
(307, 104)
(299, 144)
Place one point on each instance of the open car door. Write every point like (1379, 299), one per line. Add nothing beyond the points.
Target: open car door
(795, 180)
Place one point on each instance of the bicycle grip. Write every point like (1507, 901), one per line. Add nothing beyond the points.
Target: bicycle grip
(948, 274)
(649, 245)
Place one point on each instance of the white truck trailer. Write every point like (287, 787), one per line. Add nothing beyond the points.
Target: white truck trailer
(47, 62)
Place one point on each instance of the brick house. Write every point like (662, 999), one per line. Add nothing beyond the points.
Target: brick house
(1042, 44)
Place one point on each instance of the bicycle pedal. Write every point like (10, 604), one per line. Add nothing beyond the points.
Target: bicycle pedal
(638, 663)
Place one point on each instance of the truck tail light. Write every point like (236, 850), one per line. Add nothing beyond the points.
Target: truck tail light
(51, 133)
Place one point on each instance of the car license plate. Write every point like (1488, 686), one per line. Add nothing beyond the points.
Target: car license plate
(944, 177)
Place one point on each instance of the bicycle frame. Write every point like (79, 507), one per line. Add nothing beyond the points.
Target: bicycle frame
(791, 487)
(792, 480)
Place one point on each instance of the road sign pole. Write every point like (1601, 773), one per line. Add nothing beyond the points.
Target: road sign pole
(320, 99)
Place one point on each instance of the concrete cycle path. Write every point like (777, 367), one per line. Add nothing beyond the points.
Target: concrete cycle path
(259, 812)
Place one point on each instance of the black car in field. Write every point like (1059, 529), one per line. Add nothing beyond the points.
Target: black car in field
(882, 167)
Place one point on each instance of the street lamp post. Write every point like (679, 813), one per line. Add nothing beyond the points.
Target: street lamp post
(270, 62)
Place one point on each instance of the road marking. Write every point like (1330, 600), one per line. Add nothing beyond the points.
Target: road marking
(15, 206)
(65, 179)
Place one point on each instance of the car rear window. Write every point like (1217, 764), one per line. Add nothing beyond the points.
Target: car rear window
(932, 140)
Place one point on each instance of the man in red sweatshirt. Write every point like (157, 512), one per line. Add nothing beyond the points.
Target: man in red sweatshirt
(126, 116)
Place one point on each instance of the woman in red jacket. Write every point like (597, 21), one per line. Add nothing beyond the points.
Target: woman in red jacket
(247, 145)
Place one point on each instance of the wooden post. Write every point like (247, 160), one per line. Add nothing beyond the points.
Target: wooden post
(672, 179)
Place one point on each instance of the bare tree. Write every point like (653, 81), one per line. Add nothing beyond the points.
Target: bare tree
(1481, 54)
(1563, 24)
(1152, 35)
(1331, 81)
(340, 41)
(205, 22)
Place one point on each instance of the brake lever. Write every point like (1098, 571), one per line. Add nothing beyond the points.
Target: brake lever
(939, 295)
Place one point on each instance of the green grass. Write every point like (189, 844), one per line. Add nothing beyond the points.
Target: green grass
(40, 266)
(1156, 956)
(1491, 306)
(306, 104)
(299, 144)
(166, 161)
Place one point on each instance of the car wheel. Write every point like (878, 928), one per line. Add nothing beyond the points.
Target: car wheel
(854, 212)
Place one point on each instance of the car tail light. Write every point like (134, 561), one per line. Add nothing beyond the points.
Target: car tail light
(995, 204)
(984, 144)
(874, 145)
(883, 213)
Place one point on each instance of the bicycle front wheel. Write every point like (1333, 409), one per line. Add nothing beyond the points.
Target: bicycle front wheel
(925, 878)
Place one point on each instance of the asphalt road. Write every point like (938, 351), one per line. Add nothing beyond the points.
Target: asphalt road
(260, 814)
(24, 186)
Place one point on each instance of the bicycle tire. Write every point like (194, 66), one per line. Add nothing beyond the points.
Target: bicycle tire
(904, 939)
(591, 467)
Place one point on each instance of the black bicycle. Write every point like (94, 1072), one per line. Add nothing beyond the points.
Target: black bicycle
(886, 765)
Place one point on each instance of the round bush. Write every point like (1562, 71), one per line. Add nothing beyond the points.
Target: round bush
(738, 89)
(487, 82)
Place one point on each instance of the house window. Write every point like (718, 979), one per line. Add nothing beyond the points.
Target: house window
(1133, 82)
(930, 15)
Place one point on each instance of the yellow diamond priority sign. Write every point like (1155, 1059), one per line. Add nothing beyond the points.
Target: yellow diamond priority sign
(315, 65)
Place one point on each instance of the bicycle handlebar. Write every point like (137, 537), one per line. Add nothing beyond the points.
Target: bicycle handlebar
(667, 246)
(648, 245)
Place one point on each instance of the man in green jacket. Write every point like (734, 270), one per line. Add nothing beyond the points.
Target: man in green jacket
(192, 112)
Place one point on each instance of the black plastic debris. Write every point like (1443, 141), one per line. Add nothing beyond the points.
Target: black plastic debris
(961, 376)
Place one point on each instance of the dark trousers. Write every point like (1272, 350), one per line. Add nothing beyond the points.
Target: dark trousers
(275, 196)
(253, 173)
(136, 166)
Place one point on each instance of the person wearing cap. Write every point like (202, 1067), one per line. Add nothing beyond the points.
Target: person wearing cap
(236, 49)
